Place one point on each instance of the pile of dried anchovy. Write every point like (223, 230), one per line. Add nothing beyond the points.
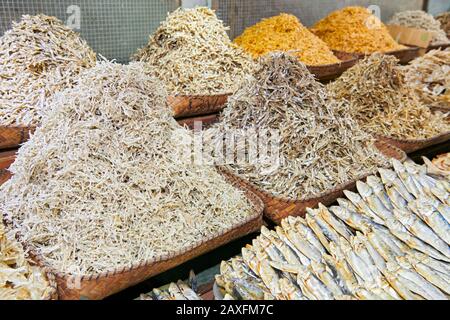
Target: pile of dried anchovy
(382, 102)
(193, 55)
(38, 56)
(320, 145)
(98, 186)
(430, 77)
(18, 279)
(444, 19)
(421, 20)
(389, 242)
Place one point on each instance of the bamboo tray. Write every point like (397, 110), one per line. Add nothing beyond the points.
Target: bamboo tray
(189, 106)
(409, 145)
(99, 286)
(12, 137)
(277, 209)
(330, 72)
(441, 46)
(404, 55)
(7, 158)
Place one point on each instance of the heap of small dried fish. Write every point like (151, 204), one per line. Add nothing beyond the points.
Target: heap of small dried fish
(98, 187)
(285, 32)
(419, 19)
(390, 241)
(320, 146)
(444, 19)
(39, 56)
(382, 102)
(175, 291)
(18, 279)
(430, 77)
(355, 29)
(193, 55)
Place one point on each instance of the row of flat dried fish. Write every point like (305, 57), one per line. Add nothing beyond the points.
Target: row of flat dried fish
(389, 241)
(98, 186)
(320, 145)
(39, 56)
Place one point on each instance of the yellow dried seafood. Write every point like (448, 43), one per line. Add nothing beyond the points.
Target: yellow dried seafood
(193, 55)
(421, 20)
(99, 187)
(382, 102)
(430, 77)
(39, 56)
(320, 146)
(285, 32)
(18, 279)
(355, 29)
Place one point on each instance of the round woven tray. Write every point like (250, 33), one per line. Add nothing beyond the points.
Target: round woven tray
(277, 208)
(99, 286)
(441, 46)
(12, 137)
(409, 145)
(405, 55)
(189, 106)
(332, 71)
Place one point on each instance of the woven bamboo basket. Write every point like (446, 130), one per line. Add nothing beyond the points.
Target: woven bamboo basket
(404, 55)
(441, 46)
(99, 286)
(276, 209)
(7, 158)
(410, 145)
(189, 106)
(5, 175)
(332, 71)
(13, 137)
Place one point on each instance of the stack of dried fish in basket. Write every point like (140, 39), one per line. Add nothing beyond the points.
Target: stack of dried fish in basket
(194, 57)
(321, 149)
(39, 56)
(390, 241)
(102, 196)
(385, 105)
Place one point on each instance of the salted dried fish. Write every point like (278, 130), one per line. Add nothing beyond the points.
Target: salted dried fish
(383, 103)
(39, 56)
(320, 146)
(405, 259)
(193, 55)
(109, 190)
